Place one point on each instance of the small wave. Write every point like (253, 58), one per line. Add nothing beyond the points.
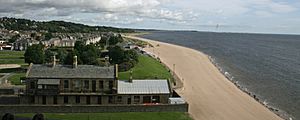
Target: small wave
(230, 77)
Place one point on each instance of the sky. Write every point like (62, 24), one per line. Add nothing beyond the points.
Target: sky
(251, 16)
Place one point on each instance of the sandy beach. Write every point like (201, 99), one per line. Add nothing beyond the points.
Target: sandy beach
(211, 96)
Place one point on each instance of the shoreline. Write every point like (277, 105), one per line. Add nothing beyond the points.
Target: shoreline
(252, 100)
(229, 77)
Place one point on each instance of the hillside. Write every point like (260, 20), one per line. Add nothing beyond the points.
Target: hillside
(55, 26)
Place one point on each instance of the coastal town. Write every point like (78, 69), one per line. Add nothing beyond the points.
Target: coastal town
(81, 70)
(60, 71)
(149, 60)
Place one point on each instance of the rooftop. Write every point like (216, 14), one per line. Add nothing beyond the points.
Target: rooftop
(67, 71)
(143, 87)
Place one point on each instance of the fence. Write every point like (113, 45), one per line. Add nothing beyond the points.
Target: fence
(92, 108)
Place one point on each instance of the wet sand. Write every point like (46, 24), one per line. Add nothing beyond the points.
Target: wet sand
(211, 96)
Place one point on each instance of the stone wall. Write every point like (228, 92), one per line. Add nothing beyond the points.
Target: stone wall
(9, 100)
(92, 108)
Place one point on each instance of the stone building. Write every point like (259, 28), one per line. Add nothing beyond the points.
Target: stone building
(24, 43)
(88, 84)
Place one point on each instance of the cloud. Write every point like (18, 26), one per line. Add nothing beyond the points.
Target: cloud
(282, 8)
(162, 13)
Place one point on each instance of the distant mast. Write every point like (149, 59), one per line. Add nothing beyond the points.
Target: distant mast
(217, 27)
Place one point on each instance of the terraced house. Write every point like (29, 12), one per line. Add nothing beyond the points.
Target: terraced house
(88, 84)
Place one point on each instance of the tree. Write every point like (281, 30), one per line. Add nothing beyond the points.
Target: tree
(79, 46)
(14, 38)
(61, 55)
(131, 55)
(69, 58)
(116, 54)
(35, 54)
(90, 54)
(113, 40)
(48, 36)
(48, 55)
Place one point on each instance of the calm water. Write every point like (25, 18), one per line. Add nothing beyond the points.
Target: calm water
(267, 65)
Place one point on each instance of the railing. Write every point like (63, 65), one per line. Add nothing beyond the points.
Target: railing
(100, 92)
(47, 91)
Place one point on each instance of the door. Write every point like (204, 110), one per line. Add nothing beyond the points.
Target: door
(129, 100)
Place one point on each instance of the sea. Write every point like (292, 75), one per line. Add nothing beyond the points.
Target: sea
(266, 66)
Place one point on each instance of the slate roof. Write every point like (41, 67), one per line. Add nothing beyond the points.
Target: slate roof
(143, 87)
(64, 71)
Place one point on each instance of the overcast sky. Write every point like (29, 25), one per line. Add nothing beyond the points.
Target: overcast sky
(262, 16)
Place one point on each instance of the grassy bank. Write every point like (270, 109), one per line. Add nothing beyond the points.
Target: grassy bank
(147, 68)
(115, 116)
(15, 79)
(12, 57)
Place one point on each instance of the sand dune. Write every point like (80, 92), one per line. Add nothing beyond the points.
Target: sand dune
(209, 94)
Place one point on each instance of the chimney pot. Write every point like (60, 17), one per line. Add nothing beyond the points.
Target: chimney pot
(116, 71)
(53, 61)
(75, 62)
(130, 78)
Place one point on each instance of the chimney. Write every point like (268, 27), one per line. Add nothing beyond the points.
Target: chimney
(106, 58)
(130, 78)
(53, 61)
(75, 61)
(116, 71)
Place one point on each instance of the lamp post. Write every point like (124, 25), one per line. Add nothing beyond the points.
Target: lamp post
(173, 69)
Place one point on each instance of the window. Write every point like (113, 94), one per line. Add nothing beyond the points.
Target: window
(119, 99)
(55, 87)
(77, 84)
(99, 100)
(44, 100)
(94, 86)
(66, 100)
(77, 99)
(155, 99)
(32, 85)
(136, 99)
(40, 86)
(66, 84)
(88, 99)
(110, 84)
(110, 99)
(86, 84)
(54, 99)
(32, 99)
(101, 84)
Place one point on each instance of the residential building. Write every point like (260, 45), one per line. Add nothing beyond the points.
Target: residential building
(88, 84)
(23, 43)
(61, 42)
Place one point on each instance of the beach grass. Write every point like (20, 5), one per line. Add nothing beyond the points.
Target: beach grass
(15, 78)
(114, 116)
(147, 68)
(12, 57)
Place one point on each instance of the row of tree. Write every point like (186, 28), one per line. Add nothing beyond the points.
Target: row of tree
(86, 54)
(55, 26)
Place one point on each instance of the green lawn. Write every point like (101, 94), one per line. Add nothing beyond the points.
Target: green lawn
(15, 79)
(147, 68)
(12, 57)
(115, 116)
